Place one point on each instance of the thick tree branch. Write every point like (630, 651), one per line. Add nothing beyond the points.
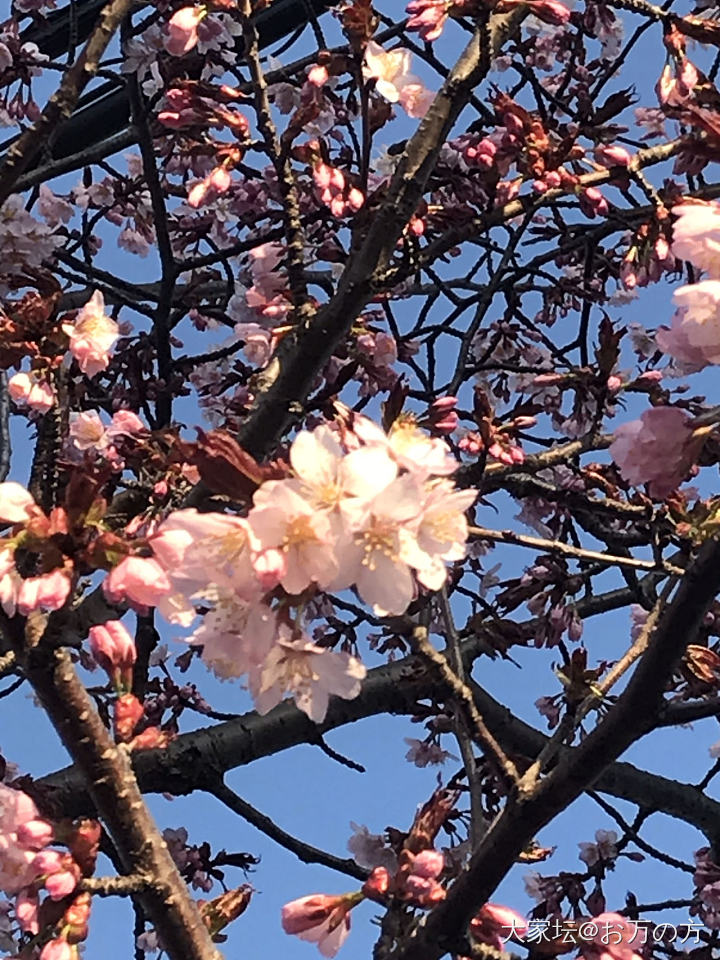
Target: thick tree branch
(107, 779)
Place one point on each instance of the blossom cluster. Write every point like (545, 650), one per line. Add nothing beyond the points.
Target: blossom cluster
(358, 509)
(29, 867)
(661, 447)
(693, 338)
(90, 336)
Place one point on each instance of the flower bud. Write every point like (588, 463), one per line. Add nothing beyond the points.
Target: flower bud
(114, 650)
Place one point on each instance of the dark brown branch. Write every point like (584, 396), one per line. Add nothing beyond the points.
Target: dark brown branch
(108, 779)
(62, 103)
(303, 851)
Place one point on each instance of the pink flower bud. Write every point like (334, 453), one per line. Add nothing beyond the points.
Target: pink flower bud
(318, 76)
(550, 11)
(612, 156)
(377, 884)
(128, 713)
(35, 834)
(182, 30)
(428, 864)
(58, 950)
(553, 179)
(443, 404)
(614, 383)
(26, 911)
(270, 567)
(114, 649)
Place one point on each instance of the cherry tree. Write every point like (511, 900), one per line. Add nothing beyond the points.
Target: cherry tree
(328, 370)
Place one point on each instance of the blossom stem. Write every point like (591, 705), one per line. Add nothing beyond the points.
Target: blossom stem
(463, 697)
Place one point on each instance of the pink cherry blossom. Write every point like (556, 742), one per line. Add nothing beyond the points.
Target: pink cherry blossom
(197, 548)
(17, 505)
(282, 519)
(236, 636)
(415, 99)
(674, 342)
(258, 342)
(139, 580)
(182, 33)
(696, 235)
(92, 336)
(18, 813)
(495, 924)
(378, 561)
(442, 532)
(609, 936)
(318, 75)
(57, 950)
(125, 423)
(337, 483)
(700, 319)
(320, 919)
(427, 17)
(47, 592)
(391, 71)
(87, 431)
(410, 446)
(655, 450)
(370, 849)
(32, 390)
(309, 673)
(604, 848)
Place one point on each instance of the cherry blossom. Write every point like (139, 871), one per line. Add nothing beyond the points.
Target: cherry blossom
(495, 924)
(92, 336)
(281, 519)
(609, 936)
(604, 848)
(370, 849)
(17, 505)
(310, 673)
(428, 17)
(696, 235)
(87, 431)
(696, 332)
(33, 390)
(236, 636)
(196, 549)
(391, 71)
(114, 650)
(657, 449)
(139, 580)
(320, 919)
(21, 835)
(182, 28)
(46, 592)
(442, 531)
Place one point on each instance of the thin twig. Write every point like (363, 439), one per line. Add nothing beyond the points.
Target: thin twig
(304, 851)
(462, 695)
